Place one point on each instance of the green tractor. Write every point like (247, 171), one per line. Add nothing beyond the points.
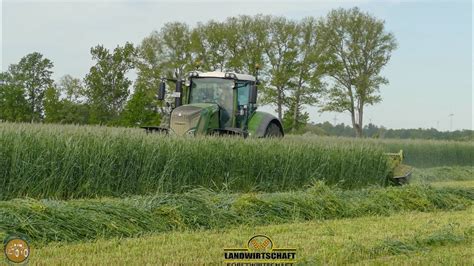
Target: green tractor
(217, 103)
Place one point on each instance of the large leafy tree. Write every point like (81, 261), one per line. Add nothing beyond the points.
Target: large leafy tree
(247, 42)
(356, 47)
(107, 86)
(281, 51)
(64, 102)
(306, 84)
(53, 106)
(142, 108)
(72, 89)
(209, 44)
(13, 104)
(32, 75)
(175, 50)
(295, 123)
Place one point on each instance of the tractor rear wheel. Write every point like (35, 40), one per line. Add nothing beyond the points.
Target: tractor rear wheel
(273, 131)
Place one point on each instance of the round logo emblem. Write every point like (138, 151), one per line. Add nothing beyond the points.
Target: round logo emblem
(260, 243)
(16, 249)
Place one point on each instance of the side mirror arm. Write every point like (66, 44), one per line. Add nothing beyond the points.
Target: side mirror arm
(162, 90)
(253, 94)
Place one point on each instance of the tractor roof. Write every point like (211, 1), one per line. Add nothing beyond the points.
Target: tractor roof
(217, 74)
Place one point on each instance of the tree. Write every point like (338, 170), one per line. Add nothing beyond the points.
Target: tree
(71, 88)
(356, 47)
(63, 102)
(107, 86)
(142, 108)
(306, 84)
(281, 51)
(209, 44)
(33, 75)
(247, 42)
(53, 107)
(13, 105)
(175, 50)
(295, 123)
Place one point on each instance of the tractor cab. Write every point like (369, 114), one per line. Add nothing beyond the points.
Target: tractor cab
(217, 103)
(231, 93)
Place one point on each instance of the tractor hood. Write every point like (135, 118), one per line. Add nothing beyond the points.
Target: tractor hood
(193, 119)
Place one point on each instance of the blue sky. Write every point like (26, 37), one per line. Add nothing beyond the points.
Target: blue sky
(430, 73)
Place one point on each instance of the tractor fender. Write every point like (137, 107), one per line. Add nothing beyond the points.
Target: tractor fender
(259, 122)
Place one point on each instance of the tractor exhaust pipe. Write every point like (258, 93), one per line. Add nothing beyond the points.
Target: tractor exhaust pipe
(178, 95)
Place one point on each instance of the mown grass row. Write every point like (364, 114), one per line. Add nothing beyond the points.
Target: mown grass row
(48, 220)
(62, 162)
(409, 238)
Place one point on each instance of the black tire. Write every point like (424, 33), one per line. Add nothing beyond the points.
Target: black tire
(273, 131)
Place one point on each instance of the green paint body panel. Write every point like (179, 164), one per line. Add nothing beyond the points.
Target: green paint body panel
(209, 118)
(258, 123)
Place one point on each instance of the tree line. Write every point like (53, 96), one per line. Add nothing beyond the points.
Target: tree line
(333, 62)
(373, 131)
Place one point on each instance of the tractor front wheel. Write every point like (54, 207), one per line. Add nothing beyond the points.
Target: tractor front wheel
(273, 131)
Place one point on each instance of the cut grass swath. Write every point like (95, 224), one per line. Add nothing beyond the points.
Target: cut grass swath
(74, 220)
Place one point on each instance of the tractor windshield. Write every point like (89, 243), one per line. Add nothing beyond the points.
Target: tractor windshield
(213, 90)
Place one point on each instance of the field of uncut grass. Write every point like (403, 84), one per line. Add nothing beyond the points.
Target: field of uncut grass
(45, 161)
(64, 162)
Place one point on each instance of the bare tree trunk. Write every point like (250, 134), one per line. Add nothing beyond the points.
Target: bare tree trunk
(279, 104)
(355, 126)
(33, 102)
(356, 123)
(296, 112)
(361, 116)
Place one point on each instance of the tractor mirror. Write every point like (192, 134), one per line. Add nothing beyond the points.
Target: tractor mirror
(253, 94)
(162, 91)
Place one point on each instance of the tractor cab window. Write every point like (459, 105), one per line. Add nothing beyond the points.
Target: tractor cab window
(243, 89)
(214, 90)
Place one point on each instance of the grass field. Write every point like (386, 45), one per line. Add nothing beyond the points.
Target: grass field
(431, 153)
(426, 236)
(62, 162)
(95, 195)
(406, 238)
(48, 220)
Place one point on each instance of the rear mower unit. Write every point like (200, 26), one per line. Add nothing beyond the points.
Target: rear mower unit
(400, 173)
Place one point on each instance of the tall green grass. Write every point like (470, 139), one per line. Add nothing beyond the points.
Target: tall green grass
(47, 161)
(432, 153)
(418, 153)
(85, 219)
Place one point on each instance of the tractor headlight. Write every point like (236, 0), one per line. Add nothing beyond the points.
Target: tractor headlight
(191, 132)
